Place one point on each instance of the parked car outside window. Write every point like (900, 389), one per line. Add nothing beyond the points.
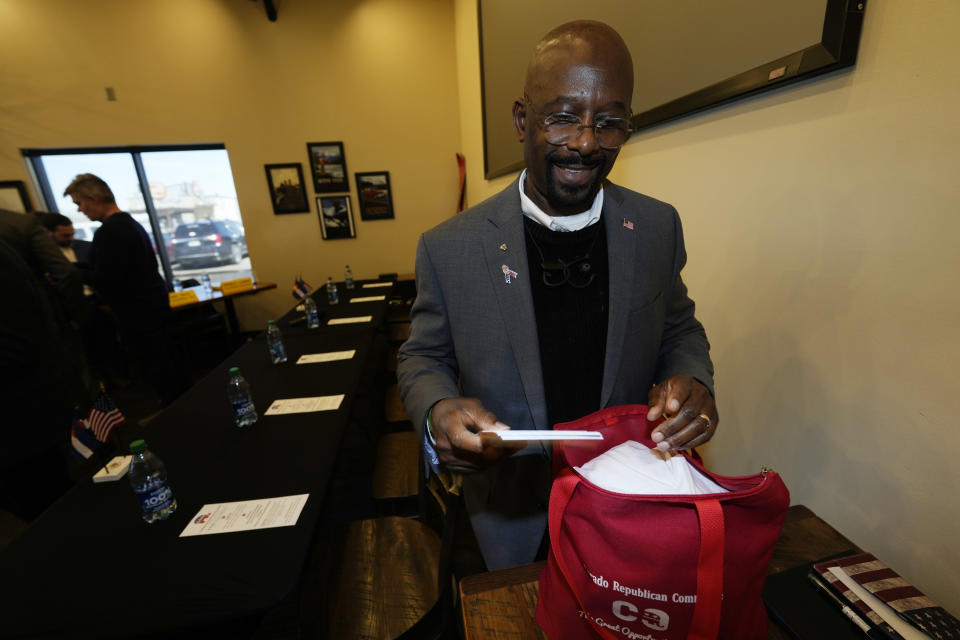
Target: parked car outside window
(208, 242)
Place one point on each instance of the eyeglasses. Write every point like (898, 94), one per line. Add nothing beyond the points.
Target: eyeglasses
(559, 127)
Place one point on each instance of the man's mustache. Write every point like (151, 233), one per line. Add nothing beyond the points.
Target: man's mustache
(575, 160)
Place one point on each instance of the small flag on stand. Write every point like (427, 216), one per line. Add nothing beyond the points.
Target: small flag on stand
(82, 439)
(301, 289)
(104, 417)
(88, 433)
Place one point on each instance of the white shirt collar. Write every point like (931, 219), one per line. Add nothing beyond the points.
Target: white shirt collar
(560, 223)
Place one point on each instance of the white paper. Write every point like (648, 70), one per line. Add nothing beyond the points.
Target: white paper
(226, 517)
(901, 626)
(368, 299)
(539, 434)
(633, 468)
(371, 285)
(352, 320)
(329, 356)
(304, 405)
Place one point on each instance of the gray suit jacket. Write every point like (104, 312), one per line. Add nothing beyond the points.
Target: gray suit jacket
(474, 334)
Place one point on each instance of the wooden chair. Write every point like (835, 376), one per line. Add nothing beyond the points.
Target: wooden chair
(393, 410)
(391, 577)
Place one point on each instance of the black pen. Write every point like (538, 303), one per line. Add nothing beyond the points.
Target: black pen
(846, 609)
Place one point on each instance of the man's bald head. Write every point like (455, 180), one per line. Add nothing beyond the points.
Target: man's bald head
(588, 41)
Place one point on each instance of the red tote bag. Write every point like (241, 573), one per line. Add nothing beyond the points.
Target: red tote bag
(649, 567)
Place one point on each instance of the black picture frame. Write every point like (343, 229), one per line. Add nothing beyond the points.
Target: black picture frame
(10, 192)
(374, 196)
(328, 167)
(336, 217)
(502, 68)
(287, 191)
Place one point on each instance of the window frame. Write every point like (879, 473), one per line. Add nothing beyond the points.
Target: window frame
(51, 202)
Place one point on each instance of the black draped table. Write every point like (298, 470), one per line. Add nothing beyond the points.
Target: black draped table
(90, 567)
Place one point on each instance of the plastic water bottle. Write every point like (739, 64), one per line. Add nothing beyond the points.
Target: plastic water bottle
(348, 277)
(238, 391)
(310, 310)
(177, 285)
(205, 281)
(148, 477)
(278, 354)
(332, 296)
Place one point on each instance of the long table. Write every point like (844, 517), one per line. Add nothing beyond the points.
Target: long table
(90, 567)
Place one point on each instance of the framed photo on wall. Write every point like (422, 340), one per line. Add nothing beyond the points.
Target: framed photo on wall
(373, 193)
(287, 191)
(336, 217)
(328, 167)
(14, 197)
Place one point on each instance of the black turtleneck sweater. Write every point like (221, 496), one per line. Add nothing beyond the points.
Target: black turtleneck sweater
(571, 317)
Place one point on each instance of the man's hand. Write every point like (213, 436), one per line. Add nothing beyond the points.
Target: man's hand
(690, 411)
(455, 423)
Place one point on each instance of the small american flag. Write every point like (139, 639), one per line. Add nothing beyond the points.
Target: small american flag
(627, 224)
(301, 289)
(104, 417)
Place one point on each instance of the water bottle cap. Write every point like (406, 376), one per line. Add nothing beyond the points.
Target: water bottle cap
(270, 322)
(234, 371)
(137, 446)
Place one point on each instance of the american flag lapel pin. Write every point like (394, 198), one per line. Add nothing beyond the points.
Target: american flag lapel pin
(508, 273)
(628, 225)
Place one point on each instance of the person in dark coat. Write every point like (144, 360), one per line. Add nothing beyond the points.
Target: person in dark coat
(126, 277)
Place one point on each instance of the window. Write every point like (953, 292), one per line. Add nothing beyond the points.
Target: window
(183, 195)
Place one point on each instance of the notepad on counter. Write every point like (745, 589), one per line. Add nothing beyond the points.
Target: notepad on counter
(246, 515)
(374, 285)
(351, 320)
(369, 299)
(329, 356)
(304, 405)
(537, 434)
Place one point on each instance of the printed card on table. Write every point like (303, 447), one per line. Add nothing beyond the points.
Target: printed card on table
(329, 356)
(246, 515)
(352, 320)
(304, 405)
(369, 299)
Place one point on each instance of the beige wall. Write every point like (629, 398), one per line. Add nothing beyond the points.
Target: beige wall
(822, 224)
(821, 220)
(378, 75)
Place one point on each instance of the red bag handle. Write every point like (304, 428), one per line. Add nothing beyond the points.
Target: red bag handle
(706, 613)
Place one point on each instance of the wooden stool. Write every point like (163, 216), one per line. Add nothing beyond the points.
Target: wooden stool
(393, 410)
(387, 580)
(396, 469)
(398, 332)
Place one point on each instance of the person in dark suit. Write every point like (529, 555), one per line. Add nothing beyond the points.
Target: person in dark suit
(60, 228)
(60, 282)
(42, 375)
(126, 277)
(553, 299)
(98, 329)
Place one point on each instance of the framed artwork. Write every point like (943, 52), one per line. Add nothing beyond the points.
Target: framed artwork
(287, 191)
(336, 217)
(328, 167)
(373, 193)
(14, 197)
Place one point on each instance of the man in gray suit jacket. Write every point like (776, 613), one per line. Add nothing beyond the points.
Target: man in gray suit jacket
(557, 297)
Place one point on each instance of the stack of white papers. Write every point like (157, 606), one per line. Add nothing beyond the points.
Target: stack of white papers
(633, 468)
